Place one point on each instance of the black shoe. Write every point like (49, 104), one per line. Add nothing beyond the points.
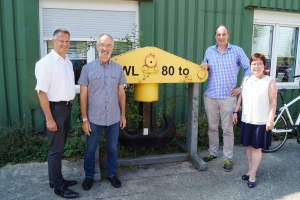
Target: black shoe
(245, 177)
(251, 184)
(87, 183)
(66, 182)
(66, 193)
(114, 181)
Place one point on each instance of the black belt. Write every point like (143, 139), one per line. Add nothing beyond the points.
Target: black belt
(62, 102)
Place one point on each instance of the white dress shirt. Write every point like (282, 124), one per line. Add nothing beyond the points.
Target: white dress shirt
(55, 76)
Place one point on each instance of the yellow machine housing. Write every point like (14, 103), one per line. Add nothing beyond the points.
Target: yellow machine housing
(146, 67)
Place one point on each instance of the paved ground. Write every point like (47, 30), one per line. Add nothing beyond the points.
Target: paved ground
(278, 178)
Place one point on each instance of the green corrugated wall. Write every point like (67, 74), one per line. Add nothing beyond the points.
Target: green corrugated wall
(19, 51)
(187, 27)
(19, 42)
(183, 27)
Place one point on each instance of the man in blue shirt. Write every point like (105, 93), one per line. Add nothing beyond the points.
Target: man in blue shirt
(102, 105)
(223, 62)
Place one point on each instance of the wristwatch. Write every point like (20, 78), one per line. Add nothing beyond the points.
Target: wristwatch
(84, 119)
(235, 112)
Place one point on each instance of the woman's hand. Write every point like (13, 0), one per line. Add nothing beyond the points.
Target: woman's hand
(269, 126)
(235, 118)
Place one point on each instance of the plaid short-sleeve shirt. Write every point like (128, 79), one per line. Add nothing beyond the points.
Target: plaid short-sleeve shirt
(102, 82)
(223, 70)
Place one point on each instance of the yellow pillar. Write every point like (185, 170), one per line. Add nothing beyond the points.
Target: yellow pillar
(146, 92)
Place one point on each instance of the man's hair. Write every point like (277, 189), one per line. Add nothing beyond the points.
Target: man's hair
(98, 40)
(219, 27)
(60, 30)
(256, 56)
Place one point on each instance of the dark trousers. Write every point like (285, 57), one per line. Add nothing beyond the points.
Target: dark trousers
(61, 114)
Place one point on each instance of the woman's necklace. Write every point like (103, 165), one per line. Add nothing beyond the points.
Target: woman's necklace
(254, 79)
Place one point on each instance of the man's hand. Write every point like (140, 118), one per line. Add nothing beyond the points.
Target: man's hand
(235, 91)
(51, 125)
(123, 122)
(86, 127)
(44, 101)
(204, 66)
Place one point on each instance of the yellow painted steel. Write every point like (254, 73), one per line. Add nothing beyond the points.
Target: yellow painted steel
(146, 67)
(146, 92)
(154, 65)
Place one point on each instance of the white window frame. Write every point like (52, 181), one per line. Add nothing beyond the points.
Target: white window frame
(277, 19)
(113, 5)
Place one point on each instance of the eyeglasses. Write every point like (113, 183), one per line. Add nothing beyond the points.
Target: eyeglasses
(257, 64)
(107, 46)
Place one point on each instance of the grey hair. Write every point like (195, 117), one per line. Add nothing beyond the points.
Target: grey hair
(60, 30)
(98, 40)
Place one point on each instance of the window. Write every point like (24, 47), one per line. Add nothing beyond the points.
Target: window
(86, 20)
(276, 35)
(77, 54)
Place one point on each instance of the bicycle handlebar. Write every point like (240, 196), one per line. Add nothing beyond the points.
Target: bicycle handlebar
(296, 76)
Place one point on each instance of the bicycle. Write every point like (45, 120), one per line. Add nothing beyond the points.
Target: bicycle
(284, 126)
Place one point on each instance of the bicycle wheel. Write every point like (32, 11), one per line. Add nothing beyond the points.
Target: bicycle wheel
(278, 138)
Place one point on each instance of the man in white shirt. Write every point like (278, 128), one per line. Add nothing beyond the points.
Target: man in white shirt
(56, 90)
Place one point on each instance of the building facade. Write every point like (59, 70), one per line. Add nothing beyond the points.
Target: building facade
(182, 27)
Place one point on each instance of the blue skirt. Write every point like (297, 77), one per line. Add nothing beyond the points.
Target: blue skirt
(255, 136)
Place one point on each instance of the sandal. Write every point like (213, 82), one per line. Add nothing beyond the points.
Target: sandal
(245, 177)
(251, 184)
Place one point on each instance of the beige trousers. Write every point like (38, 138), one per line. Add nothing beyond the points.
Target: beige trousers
(216, 108)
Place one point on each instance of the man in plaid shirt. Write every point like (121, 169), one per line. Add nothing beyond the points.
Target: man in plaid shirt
(223, 62)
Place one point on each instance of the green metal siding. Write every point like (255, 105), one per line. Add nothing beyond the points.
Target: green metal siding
(3, 109)
(18, 53)
(187, 27)
(10, 71)
(19, 42)
(32, 52)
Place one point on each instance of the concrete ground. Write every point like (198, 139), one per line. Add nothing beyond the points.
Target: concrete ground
(278, 178)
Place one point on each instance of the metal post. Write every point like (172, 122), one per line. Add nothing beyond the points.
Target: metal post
(192, 132)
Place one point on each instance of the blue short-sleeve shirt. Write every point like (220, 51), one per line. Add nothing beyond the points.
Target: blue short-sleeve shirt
(102, 81)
